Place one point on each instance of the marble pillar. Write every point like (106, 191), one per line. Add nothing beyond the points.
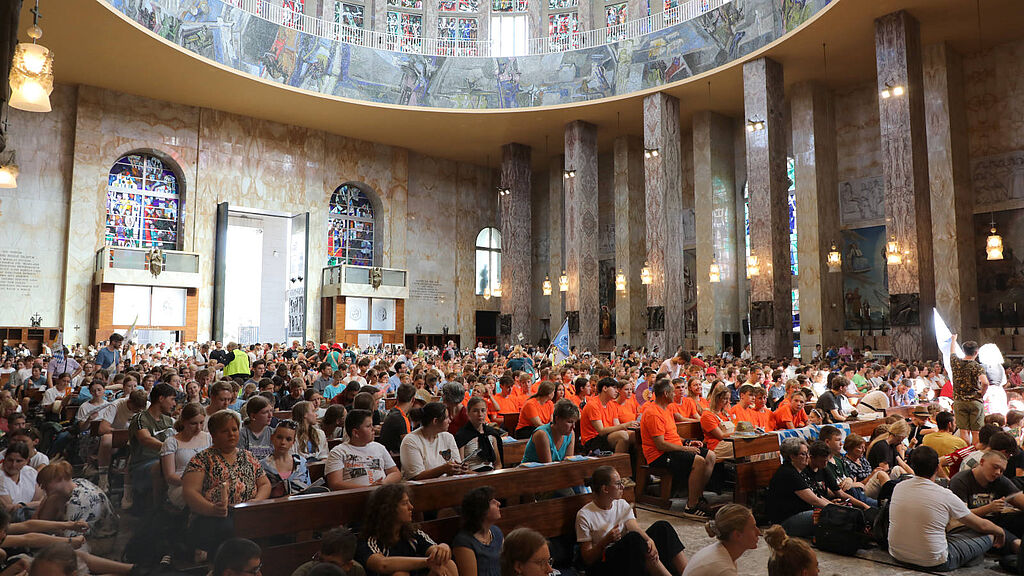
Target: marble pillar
(516, 265)
(817, 217)
(663, 203)
(949, 178)
(905, 175)
(556, 245)
(581, 234)
(715, 216)
(629, 239)
(771, 299)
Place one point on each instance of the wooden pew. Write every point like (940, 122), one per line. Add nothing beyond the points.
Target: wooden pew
(288, 528)
(690, 430)
(513, 452)
(905, 411)
(509, 421)
(316, 470)
(390, 401)
(283, 414)
(118, 437)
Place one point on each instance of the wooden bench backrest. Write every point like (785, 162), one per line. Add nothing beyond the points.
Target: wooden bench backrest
(118, 437)
(283, 414)
(690, 430)
(306, 514)
(513, 452)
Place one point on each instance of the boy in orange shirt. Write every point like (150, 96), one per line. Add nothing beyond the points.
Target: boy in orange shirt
(629, 410)
(758, 412)
(790, 413)
(600, 428)
(664, 448)
(742, 411)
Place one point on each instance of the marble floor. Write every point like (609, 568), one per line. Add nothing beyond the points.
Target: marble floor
(755, 562)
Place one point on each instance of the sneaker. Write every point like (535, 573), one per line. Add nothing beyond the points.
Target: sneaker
(126, 500)
(696, 513)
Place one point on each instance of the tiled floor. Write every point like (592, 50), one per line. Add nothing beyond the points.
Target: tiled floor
(755, 562)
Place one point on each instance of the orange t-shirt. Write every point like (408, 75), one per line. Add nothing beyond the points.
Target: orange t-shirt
(572, 397)
(687, 407)
(628, 410)
(595, 411)
(657, 421)
(784, 414)
(709, 421)
(760, 418)
(740, 414)
(516, 398)
(534, 409)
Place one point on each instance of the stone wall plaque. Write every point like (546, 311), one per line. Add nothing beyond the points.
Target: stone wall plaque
(655, 317)
(762, 314)
(574, 321)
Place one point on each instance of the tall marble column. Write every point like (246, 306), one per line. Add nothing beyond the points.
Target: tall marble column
(664, 203)
(771, 299)
(714, 190)
(817, 217)
(516, 266)
(949, 177)
(556, 245)
(629, 239)
(905, 174)
(581, 301)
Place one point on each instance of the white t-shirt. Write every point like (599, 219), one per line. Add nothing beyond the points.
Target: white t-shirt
(923, 508)
(117, 414)
(419, 454)
(52, 395)
(37, 460)
(24, 489)
(89, 409)
(361, 464)
(712, 560)
(671, 368)
(183, 452)
(593, 523)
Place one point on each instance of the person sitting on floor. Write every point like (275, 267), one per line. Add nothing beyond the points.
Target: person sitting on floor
(736, 531)
(663, 448)
(476, 549)
(611, 541)
(822, 480)
(525, 553)
(791, 501)
(920, 506)
(989, 494)
(237, 557)
(790, 556)
(337, 548)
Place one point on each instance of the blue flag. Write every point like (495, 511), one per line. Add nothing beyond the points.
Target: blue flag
(561, 343)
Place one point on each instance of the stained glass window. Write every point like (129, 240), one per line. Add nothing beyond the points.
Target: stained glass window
(488, 259)
(142, 203)
(508, 5)
(459, 5)
(351, 17)
(793, 266)
(615, 18)
(407, 27)
(562, 4)
(563, 29)
(350, 228)
(457, 35)
(410, 4)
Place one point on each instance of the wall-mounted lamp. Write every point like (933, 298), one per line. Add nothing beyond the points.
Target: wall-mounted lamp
(650, 152)
(892, 252)
(31, 75)
(755, 125)
(503, 191)
(487, 293)
(620, 281)
(753, 267)
(646, 277)
(497, 289)
(567, 174)
(994, 243)
(892, 90)
(546, 286)
(834, 259)
(8, 171)
(714, 271)
(563, 282)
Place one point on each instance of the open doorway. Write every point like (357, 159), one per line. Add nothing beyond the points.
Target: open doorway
(259, 276)
(487, 327)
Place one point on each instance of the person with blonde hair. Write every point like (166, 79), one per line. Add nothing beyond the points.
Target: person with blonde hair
(789, 556)
(717, 422)
(736, 531)
(886, 450)
(310, 440)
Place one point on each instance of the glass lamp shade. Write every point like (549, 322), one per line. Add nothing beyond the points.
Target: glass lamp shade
(834, 260)
(994, 246)
(497, 290)
(620, 282)
(892, 252)
(31, 78)
(753, 267)
(546, 286)
(9, 176)
(563, 282)
(646, 277)
(715, 273)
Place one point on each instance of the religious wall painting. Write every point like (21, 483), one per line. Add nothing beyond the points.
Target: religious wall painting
(998, 179)
(862, 201)
(1000, 282)
(865, 278)
(606, 298)
(795, 13)
(689, 293)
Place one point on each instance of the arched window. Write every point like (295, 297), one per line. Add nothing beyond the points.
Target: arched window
(488, 260)
(350, 228)
(143, 203)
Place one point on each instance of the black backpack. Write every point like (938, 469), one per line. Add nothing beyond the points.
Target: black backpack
(840, 530)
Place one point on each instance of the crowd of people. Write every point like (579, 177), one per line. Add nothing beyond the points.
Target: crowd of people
(207, 430)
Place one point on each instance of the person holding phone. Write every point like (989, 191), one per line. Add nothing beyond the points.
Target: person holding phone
(430, 451)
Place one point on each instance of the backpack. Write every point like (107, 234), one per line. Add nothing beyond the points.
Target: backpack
(880, 527)
(840, 530)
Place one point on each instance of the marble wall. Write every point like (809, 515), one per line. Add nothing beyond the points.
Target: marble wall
(33, 216)
(516, 247)
(581, 233)
(253, 163)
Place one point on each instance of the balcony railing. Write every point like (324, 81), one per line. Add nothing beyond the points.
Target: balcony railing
(330, 30)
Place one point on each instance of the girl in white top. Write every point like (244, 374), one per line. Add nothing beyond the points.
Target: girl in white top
(19, 493)
(310, 440)
(430, 451)
(180, 448)
(737, 532)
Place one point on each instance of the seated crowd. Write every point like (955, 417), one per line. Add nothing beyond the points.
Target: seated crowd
(182, 435)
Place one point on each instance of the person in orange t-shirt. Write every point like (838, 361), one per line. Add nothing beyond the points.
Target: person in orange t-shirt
(790, 413)
(519, 393)
(583, 389)
(536, 411)
(717, 422)
(663, 448)
(760, 415)
(741, 411)
(693, 388)
(600, 428)
(629, 409)
(568, 392)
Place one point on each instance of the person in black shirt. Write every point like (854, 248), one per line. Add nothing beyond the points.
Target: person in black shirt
(830, 403)
(822, 480)
(397, 424)
(989, 494)
(887, 450)
(390, 542)
(791, 501)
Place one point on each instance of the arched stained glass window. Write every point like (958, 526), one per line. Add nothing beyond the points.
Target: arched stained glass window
(350, 233)
(143, 203)
(488, 260)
